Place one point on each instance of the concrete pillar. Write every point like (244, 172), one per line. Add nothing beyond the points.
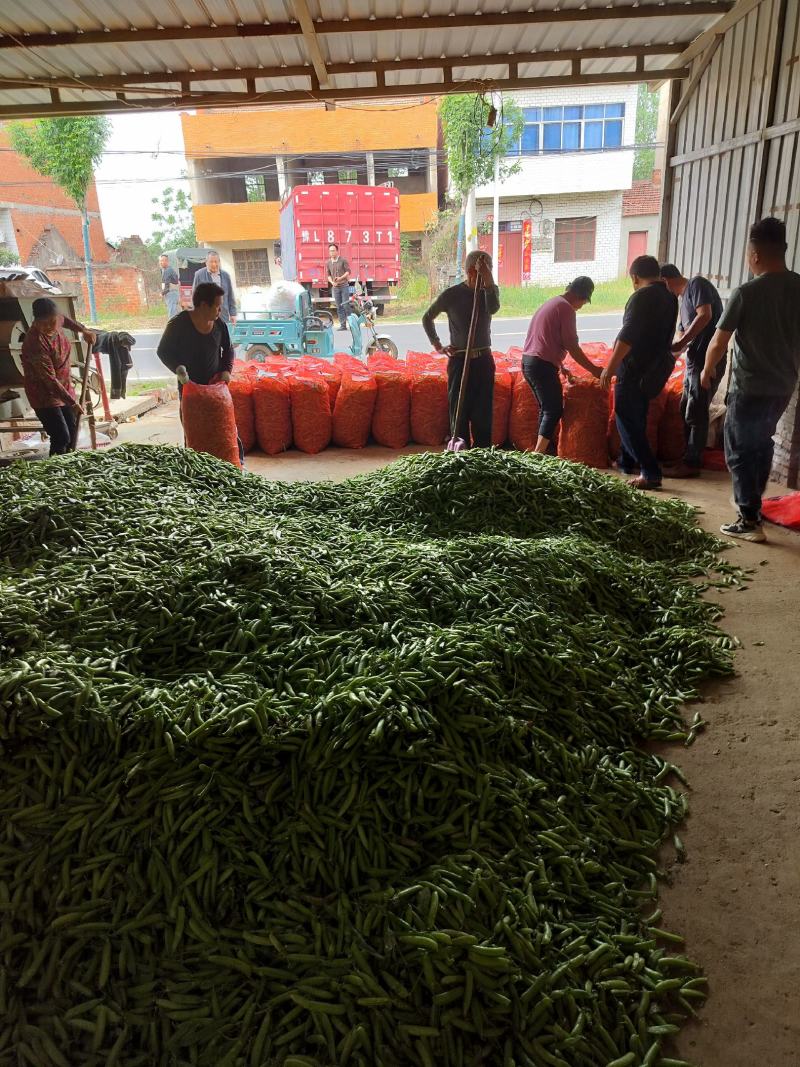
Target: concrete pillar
(281, 172)
(370, 168)
(471, 226)
(432, 171)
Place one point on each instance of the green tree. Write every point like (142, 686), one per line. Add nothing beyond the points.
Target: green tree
(473, 148)
(646, 131)
(66, 150)
(173, 221)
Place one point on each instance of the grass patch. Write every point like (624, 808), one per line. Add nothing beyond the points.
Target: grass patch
(149, 319)
(517, 300)
(152, 385)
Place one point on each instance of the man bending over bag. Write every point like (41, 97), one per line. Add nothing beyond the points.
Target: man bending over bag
(196, 345)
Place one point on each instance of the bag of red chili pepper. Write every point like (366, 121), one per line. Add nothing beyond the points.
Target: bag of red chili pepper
(242, 396)
(209, 421)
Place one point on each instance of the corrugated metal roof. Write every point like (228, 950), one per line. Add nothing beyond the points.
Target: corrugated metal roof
(63, 56)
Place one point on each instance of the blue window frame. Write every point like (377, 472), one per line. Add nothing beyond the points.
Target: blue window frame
(571, 128)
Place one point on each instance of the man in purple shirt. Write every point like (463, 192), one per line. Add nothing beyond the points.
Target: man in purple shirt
(552, 333)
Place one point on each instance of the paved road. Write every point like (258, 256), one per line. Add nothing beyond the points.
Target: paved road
(505, 333)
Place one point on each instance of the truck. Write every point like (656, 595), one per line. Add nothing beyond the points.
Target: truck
(363, 220)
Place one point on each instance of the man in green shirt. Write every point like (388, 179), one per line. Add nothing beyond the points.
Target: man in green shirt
(764, 315)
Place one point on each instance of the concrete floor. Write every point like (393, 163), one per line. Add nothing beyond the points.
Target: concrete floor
(736, 897)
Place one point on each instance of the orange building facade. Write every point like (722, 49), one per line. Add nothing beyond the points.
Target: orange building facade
(243, 163)
(39, 224)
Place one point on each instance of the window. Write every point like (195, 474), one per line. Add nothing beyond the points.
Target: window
(255, 188)
(316, 177)
(347, 177)
(574, 240)
(576, 128)
(251, 266)
(397, 172)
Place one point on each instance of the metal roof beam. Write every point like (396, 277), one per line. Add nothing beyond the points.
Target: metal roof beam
(305, 96)
(380, 69)
(312, 41)
(737, 11)
(684, 9)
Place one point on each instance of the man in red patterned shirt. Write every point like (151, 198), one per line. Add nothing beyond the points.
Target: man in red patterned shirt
(46, 359)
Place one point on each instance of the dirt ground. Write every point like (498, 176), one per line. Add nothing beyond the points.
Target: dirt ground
(736, 899)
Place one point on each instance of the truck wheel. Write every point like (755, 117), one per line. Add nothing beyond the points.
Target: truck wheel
(383, 344)
(258, 352)
(380, 309)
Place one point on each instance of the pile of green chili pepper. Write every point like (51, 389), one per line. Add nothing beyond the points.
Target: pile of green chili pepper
(314, 775)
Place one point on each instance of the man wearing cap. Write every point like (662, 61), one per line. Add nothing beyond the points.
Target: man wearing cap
(552, 333)
(700, 310)
(46, 367)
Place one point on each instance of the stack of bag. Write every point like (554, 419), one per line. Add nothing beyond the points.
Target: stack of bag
(310, 403)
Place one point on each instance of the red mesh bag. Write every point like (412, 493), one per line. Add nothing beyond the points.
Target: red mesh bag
(273, 413)
(523, 419)
(392, 415)
(419, 361)
(583, 433)
(311, 413)
(430, 418)
(348, 363)
(501, 408)
(242, 395)
(352, 416)
(330, 374)
(671, 431)
(385, 361)
(209, 421)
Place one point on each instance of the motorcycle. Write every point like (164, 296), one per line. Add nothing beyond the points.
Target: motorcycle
(360, 320)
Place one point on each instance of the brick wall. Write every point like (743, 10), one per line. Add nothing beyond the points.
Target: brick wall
(786, 465)
(605, 207)
(119, 288)
(36, 203)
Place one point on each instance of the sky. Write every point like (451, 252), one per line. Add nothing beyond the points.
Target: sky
(144, 156)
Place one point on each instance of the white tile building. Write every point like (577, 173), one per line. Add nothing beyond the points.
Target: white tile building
(575, 161)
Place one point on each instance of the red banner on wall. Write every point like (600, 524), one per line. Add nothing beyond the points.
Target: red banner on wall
(527, 245)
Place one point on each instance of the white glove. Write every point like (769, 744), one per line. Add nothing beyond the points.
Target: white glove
(182, 375)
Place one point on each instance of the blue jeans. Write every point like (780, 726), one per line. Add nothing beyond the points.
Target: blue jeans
(172, 298)
(750, 424)
(630, 408)
(544, 380)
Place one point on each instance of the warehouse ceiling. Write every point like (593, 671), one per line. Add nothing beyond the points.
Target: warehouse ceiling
(62, 57)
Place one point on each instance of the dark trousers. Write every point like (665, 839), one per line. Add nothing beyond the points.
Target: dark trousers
(544, 379)
(119, 374)
(630, 408)
(59, 425)
(341, 296)
(695, 402)
(477, 408)
(750, 423)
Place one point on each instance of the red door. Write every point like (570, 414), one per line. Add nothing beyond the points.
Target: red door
(508, 269)
(637, 244)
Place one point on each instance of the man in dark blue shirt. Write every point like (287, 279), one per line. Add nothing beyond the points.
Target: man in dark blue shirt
(700, 309)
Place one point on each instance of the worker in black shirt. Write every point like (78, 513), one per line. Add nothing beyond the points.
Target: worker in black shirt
(197, 341)
(196, 345)
(701, 308)
(456, 302)
(642, 360)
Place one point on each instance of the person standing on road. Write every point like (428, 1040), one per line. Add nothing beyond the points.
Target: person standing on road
(339, 281)
(456, 302)
(552, 333)
(700, 309)
(212, 273)
(643, 356)
(763, 317)
(46, 368)
(170, 286)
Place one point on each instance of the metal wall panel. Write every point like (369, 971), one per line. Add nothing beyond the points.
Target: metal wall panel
(737, 157)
